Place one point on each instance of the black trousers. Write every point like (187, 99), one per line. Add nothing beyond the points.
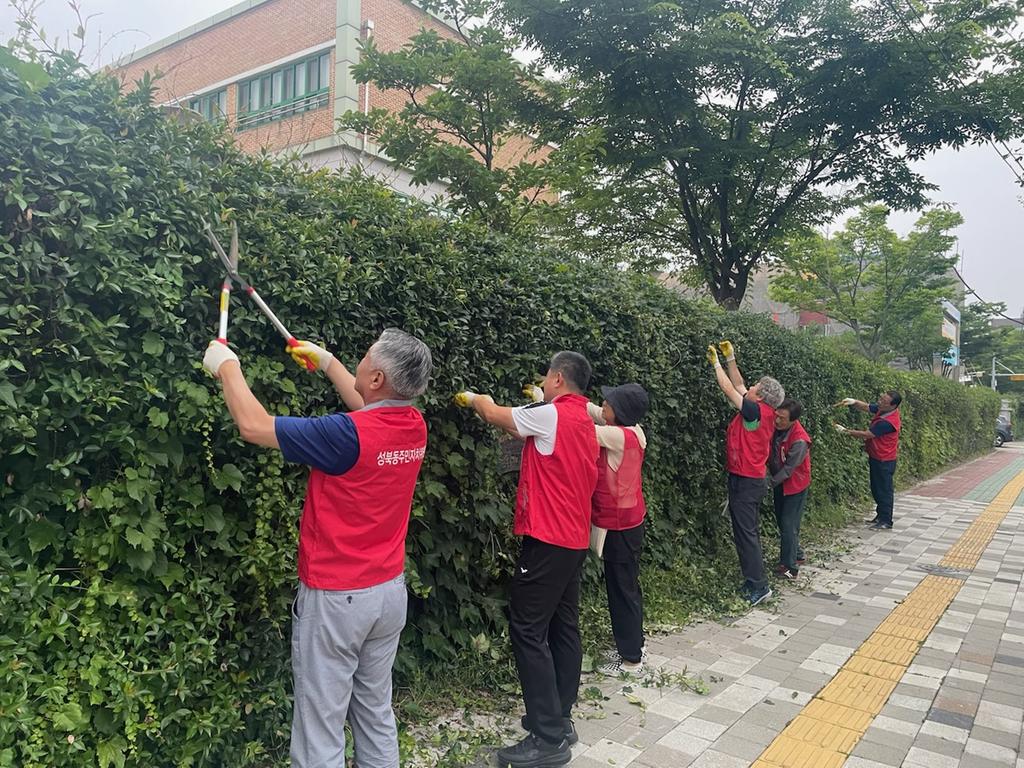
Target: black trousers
(882, 487)
(544, 612)
(745, 494)
(621, 554)
(788, 512)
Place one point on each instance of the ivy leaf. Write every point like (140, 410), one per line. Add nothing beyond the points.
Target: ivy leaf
(140, 559)
(229, 476)
(213, 519)
(41, 534)
(111, 753)
(138, 539)
(69, 717)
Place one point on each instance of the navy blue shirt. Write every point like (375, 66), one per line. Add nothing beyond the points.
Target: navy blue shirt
(328, 443)
(879, 428)
(750, 410)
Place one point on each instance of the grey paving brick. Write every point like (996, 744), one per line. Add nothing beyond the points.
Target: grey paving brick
(953, 719)
(889, 755)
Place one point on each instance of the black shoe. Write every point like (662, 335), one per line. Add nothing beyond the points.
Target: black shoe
(568, 729)
(874, 520)
(534, 752)
(881, 526)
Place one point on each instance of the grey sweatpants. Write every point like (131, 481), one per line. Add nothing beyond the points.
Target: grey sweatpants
(343, 648)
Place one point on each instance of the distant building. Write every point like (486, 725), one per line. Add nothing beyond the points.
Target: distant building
(278, 74)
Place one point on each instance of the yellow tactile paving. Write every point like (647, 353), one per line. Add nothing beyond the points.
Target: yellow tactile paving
(827, 729)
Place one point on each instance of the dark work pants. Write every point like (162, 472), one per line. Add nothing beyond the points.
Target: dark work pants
(544, 627)
(621, 554)
(789, 510)
(881, 474)
(745, 494)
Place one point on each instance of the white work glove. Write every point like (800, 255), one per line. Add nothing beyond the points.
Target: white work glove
(847, 401)
(308, 351)
(840, 429)
(534, 393)
(216, 355)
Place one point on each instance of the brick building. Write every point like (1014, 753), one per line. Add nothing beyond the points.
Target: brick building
(278, 73)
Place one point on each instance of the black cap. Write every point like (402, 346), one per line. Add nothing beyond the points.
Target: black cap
(629, 401)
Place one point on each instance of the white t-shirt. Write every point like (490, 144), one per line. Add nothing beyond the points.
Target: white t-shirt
(539, 421)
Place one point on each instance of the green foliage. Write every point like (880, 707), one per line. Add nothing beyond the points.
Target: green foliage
(730, 127)
(885, 288)
(147, 555)
(473, 118)
(980, 342)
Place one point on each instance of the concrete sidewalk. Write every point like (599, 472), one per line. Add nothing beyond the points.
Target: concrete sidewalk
(909, 651)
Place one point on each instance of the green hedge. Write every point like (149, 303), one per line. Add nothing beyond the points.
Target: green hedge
(147, 555)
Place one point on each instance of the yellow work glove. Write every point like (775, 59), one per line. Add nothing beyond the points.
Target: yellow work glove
(308, 351)
(726, 348)
(216, 355)
(465, 399)
(534, 393)
(840, 429)
(713, 356)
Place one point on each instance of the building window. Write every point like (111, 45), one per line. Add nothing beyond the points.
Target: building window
(212, 106)
(298, 87)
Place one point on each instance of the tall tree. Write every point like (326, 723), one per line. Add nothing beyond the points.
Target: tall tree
(885, 288)
(732, 125)
(474, 118)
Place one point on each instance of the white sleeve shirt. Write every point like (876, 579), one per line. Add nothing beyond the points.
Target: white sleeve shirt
(539, 421)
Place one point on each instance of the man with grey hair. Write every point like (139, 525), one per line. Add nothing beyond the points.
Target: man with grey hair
(748, 443)
(351, 604)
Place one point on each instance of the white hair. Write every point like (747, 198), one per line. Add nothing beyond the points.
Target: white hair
(405, 360)
(771, 391)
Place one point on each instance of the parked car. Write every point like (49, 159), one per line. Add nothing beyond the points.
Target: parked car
(1004, 434)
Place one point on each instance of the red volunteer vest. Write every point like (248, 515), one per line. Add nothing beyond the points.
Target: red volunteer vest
(618, 503)
(353, 526)
(886, 447)
(801, 477)
(746, 451)
(553, 504)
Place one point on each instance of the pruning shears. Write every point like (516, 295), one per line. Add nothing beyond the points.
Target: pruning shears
(231, 265)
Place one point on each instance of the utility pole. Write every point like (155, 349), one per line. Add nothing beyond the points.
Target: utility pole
(1010, 374)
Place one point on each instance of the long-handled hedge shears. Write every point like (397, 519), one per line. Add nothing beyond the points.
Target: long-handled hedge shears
(231, 265)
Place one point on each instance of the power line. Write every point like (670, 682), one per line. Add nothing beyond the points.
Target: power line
(974, 293)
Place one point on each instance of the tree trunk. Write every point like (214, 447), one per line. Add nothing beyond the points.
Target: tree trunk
(731, 284)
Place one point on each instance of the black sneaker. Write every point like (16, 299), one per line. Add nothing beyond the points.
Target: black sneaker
(873, 520)
(880, 525)
(534, 752)
(568, 729)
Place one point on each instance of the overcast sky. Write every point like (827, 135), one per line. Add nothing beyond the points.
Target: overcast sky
(975, 181)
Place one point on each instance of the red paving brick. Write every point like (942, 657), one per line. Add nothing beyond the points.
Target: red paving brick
(959, 482)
